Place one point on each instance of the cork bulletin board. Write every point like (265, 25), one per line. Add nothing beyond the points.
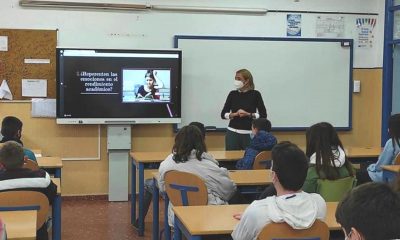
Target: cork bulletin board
(31, 54)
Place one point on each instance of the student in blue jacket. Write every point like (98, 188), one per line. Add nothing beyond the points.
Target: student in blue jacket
(262, 140)
(392, 148)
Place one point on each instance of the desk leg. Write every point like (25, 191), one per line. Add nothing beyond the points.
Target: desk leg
(180, 229)
(167, 228)
(57, 173)
(133, 192)
(141, 199)
(155, 210)
(57, 218)
(177, 229)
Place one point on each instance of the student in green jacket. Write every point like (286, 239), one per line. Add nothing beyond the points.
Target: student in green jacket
(327, 157)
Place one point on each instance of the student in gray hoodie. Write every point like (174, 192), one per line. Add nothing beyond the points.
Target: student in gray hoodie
(291, 205)
(189, 154)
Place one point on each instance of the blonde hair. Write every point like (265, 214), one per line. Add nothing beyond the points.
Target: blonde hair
(247, 75)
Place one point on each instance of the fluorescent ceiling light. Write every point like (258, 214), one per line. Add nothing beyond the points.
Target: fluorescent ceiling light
(140, 7)
(83, 5)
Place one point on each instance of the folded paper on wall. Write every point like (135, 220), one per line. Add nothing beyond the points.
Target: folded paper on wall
(5, 91)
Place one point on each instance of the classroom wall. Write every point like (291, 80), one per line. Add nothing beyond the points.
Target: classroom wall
(118, 29)
(91, 177)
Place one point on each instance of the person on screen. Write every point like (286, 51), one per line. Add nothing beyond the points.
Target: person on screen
(240, 109)
(153, 83)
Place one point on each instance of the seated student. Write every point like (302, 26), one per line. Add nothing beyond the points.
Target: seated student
(290, 205)
(189, 154)
(11, 129)
(148, 184)
(15, 177)
(263, 140)
(392, 148)
(327, 157)
(370, 212)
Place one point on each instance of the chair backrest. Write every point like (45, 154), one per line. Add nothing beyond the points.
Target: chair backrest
(397, 160)
(32, 165)
(185, 189)
(262, 160)
(334, 190)
(26, 200)
(319, 230)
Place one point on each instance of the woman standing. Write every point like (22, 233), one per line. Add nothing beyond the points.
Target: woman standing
(242, 106)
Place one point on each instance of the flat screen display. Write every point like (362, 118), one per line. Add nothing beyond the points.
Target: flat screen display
(103, 86)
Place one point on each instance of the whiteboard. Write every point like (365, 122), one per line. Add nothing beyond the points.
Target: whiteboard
(302, 81)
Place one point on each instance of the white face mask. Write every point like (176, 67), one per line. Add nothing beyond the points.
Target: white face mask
(238, 84)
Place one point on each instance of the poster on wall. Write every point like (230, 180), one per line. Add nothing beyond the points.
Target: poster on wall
(293, 25)
(330, 26)
(365, 32)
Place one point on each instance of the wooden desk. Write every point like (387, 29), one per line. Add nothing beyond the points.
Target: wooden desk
(20, 225)
(141, 158)
(196, 222)
(246, 180)
(390, 172)
(363, 152)
(53, 163)
(251, 177)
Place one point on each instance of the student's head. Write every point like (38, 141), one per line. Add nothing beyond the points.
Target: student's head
(322, 139)
(150, 79)
(201, 128)
(289, 166)
(370, 212)
(11, 155)
(246, 78)
(11, 127)
(394, 128)
(187, 139)
(260, 124)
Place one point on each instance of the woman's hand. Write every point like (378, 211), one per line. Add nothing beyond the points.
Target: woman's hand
(243, 113)
(237, 216)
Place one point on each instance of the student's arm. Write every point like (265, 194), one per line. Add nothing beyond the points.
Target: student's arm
(247, 228)
(385, 158)
(224, 186)
(246, 163)
(160, 83)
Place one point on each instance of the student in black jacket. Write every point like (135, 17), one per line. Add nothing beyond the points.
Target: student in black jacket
(15, 177)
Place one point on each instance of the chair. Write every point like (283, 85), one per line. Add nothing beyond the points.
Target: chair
(262, 160)
(32, 165)
(397, 160)
(334, 190)
(319, 230)
(26, 200)
(185, 189)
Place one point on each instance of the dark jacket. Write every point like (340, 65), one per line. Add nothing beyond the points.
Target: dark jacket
(262, 141)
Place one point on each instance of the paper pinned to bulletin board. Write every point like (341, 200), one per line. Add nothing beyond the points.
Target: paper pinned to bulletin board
(365, 29)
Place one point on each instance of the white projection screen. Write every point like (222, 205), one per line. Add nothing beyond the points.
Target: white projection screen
(302, 81)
